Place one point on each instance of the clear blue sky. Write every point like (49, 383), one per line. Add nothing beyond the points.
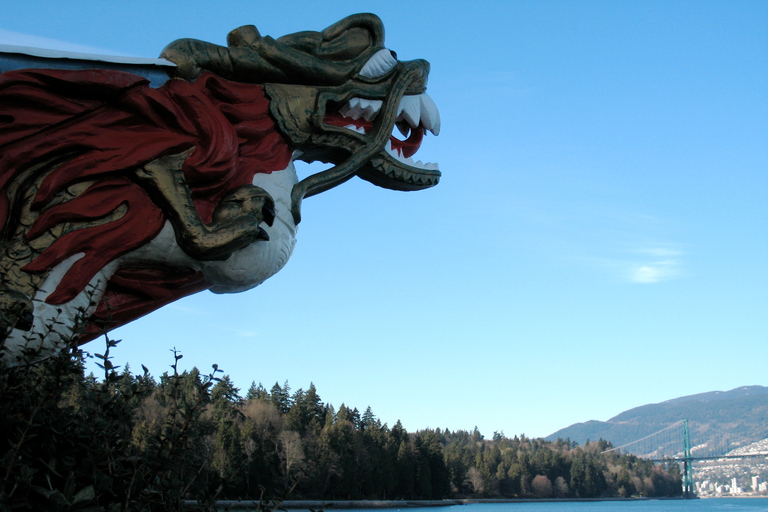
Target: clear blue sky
(599, 239)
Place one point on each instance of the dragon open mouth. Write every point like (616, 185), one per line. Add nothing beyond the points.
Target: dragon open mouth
(358, 128)
(416, 115)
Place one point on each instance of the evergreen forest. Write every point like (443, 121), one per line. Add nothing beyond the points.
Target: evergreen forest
(128, 441)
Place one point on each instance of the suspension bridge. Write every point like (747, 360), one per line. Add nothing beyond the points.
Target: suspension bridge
(675, 443)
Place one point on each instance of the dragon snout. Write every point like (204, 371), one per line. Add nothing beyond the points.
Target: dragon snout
(420, 69)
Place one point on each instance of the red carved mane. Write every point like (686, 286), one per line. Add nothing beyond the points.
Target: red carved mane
(103, 124)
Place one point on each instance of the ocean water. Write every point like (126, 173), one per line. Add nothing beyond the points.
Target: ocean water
(700, 505)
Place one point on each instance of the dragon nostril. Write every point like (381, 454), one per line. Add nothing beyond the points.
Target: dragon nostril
(268, 212)
(394, 54)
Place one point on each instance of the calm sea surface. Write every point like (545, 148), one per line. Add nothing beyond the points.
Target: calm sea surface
(702, 505)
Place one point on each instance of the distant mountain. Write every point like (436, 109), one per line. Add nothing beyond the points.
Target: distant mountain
(714, 396)
(719, 421)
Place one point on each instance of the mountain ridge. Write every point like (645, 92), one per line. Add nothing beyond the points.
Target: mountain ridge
(719, 421)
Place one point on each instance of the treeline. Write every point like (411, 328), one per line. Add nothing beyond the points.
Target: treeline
(279, 438)
(131, 440)
(533, 468)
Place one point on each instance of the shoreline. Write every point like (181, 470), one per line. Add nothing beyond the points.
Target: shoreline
(397, 504)
(400, 504)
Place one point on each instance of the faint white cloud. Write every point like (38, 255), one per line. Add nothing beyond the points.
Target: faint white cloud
(245, 333)
(641, 266)
(669, 267)
(630, 247)
(654, 273)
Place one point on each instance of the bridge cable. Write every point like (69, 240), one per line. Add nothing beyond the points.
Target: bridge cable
(644, 438)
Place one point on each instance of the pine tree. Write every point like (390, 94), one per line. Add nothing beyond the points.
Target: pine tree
(225, 399)
(368, 420)
(257, 392)
(280, 397)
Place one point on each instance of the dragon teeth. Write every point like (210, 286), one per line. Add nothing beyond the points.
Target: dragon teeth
(380, 64)
(430, 116)
(409, 161)
(414, 109)
(361, 107)
(410, 110)
(420, 109)
(358, 129)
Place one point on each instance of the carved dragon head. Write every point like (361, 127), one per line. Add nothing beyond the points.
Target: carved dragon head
(117, 197)
(337, 95)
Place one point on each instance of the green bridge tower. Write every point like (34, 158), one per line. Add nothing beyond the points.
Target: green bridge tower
(687, 463)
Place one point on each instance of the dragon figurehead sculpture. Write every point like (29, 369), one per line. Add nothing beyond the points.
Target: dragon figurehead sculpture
(118, 197)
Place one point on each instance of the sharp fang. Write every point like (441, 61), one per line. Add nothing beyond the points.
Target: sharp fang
(420, 109)
(413, 109)
(410, 110)
(430, 116)
(380, 64)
